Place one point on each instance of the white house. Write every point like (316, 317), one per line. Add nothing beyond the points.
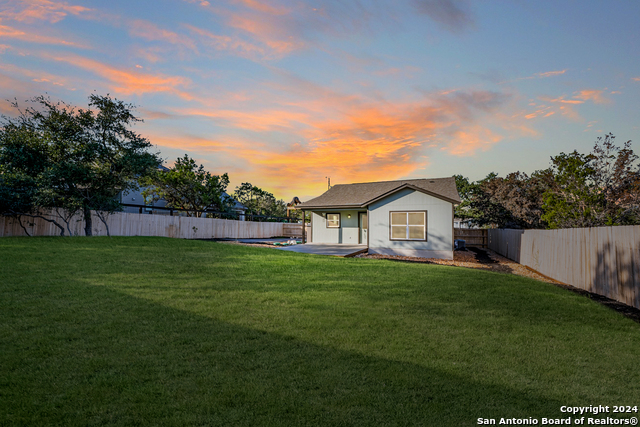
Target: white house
(409, 217)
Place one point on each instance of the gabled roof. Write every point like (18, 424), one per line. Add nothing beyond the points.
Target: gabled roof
(363, 194)
(236, 204)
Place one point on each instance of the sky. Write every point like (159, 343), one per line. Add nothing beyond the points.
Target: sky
(285, 93)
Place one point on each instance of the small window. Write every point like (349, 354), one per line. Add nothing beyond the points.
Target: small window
(333, 220)
(408, 226)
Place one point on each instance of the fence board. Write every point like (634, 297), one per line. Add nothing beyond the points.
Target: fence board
(135, 224)
(603, 260)
(472, 236)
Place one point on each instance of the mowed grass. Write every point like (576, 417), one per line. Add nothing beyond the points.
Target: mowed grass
(155, 331)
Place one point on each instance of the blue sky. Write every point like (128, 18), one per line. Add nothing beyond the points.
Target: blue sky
(284, 93)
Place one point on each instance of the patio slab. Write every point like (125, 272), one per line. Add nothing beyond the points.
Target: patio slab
(326, 249)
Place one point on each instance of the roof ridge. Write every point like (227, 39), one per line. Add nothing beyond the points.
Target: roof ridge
(394, 180)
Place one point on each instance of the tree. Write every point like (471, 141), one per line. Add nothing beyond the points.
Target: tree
(617, 176)
(188, 186)
(597, 189)
(574, 201)
(466, 190)
(259, 201)
(519, 198)
(54, 156)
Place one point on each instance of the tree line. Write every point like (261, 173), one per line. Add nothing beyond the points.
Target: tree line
(188, 186)
(600, 188)
(56, 157)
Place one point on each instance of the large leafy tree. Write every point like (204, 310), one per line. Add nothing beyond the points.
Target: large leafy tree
(596, 189)
(515, 200)
(188, 186)
(259, 201)
(578, 190)
(53, 155)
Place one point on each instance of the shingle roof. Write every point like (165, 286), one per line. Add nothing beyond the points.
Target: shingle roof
(362, 194)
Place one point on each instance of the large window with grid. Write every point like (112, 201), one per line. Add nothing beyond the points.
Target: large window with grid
(410, 225)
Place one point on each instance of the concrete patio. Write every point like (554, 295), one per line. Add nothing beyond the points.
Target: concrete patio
(326, 249)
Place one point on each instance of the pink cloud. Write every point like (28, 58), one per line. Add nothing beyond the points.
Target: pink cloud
(33, 37)
(390, 139)
(542, 75)
(29, 11)
(128, 82)
(227, 43)
(550, 74)
(264, 7)
(592, 95)
(561, 100)
(150, 31)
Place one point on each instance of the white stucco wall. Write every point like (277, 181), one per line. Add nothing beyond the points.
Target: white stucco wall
(347, 233)
(439, 242)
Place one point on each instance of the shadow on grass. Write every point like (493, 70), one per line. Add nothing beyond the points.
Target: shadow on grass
(88, 355)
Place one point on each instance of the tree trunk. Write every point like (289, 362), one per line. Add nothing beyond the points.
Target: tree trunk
(87, 221)
(103, 217)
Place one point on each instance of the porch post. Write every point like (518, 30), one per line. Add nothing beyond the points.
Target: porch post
(304, 228)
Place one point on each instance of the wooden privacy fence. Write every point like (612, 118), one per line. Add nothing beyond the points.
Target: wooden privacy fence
(133, 224)
(471, 236)
(603, 260)
(295, 230)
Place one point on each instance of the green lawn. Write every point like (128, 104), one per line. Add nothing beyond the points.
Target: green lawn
(155, 331)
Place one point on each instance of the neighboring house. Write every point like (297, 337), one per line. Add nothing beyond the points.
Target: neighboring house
(136, 198)
(410, 217)
(463, 223)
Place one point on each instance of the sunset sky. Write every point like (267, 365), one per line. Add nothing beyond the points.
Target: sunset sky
(283, 93)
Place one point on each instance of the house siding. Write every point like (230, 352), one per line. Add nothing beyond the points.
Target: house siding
(439, 226)
(347, 233)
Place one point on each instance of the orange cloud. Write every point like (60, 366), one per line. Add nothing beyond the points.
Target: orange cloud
(31, 37)
(128, 82)
(259, 121)
(561, 100)
(592, 95)
(566, 106)
(269, 32)
(355, 139)
(544, 112)
(467, 142)
(40, 10)
(636, 79)
(262, 6)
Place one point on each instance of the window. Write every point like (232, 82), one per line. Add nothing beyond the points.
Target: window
(333, 220)
(408, 225)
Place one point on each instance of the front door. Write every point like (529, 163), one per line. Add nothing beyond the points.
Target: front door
(363, 228)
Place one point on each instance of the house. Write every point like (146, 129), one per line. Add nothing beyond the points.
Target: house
(409, 217)
(134, 202)
(463, 223)
(136, 198)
